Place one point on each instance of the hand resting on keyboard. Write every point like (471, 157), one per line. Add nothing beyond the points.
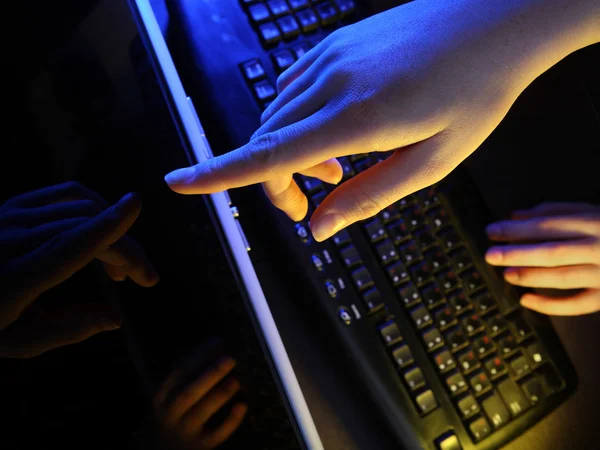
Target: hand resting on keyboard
(565, 254)
(429, 80)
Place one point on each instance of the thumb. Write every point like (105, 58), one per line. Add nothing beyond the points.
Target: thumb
(33, 336)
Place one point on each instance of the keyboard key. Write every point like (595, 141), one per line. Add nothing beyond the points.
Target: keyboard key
(432, 338)
(403, 356)
(358, 156)
(461, 259)
(362, 278)
(534, 390)
(483, 346)
(437, 259)
(472, 280)
(283, 59)
(432, 296)
(409, 295)
(301, 49)
(428, 197)
(497, 324)
(450, 442)
(372, 299)
(507, 345)
(438, 218)
(264, 90)
(327, 13)
(331, 288)
(468, 361)
(495, 367)
(467, 406)
(520, 328)
(341, 238)
(520, 366)
(484, 302)
(444, 317)
(269, 33)
(409, 253)
(390, 214)
(278, 7)
(513, 397)
(425, 239)
(302, 232)
(346, 166)
(390, 333)
(444, 360)
(346, 7)
(536, 354)
(405, 202)
(317, 262)
(459, 302)
(364, 164)
(421, 316)
(456, 383)
(449, 238)
(414, 218)
(253, 70)
(448, 280)
(387, 252)
(420, 273)
(318, 198)
(375, 230)
(350, 256)
(479, 382)
(308, 20)
(414, 378)
(480, 428)
(259, 13)
(398, 231)
(456, 339)
(298, 4)
(398, 274)
(426, 401)
(472, 324)
(312, 185)
(496, 411)
(289, 27)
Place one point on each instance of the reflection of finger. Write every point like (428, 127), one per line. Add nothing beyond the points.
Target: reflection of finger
(116, 272)
(285, 194)
(127, 253)
(70, 190)
(585, 302)
(62, 256)
(32, 217)
(197, 390)
(198, 415)
(556, 208)
(546, 254)
(565, 277)
(214, 438)
(544, 228)
(26, 339)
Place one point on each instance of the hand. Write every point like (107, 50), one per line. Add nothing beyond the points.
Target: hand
(45, 237)
(565, 255)
(186, 413)
(428, 80)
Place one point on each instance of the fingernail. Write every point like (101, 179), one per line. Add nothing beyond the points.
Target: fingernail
(327, 226)
(179, 176)
(493, 255)
(493, 230)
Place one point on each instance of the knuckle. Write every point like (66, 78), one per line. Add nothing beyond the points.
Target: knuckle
(367, 205)
(262, 151)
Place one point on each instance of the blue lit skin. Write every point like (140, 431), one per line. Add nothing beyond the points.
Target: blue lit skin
(429, 80)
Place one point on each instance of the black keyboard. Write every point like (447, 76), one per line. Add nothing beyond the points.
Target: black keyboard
(439, 341)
